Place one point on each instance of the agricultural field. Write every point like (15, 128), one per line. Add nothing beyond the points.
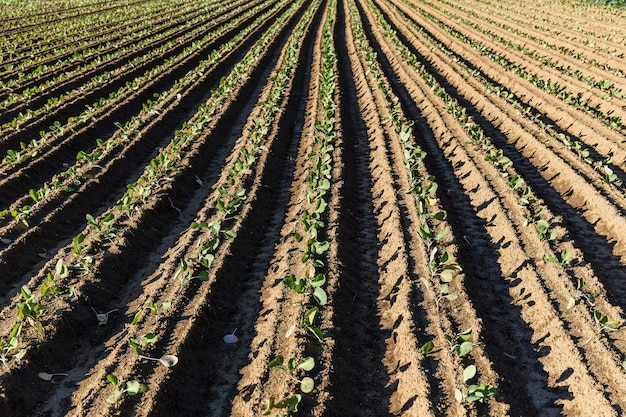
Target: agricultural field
(312, 208)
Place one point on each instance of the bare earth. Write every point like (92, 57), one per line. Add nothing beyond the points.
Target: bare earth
(518, 106)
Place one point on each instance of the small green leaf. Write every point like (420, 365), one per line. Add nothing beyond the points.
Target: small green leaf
(320, 296)
(307, 363)
(115, 397)
(112, 378)
(427, 347)
(270, 407)
(550, 258)
(135, 387)
(136, 318)
(465, 348)
(276, 362)
(307, 384)
(469, 373)
(446, 275)
(458, 395)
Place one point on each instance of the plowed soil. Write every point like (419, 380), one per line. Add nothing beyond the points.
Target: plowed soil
(519, 109)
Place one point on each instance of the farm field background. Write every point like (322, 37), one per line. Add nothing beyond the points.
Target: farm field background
(312, 207)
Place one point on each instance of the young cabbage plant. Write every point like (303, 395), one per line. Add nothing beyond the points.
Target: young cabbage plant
(9, 350)
(581, 295)
(461, 344)
(604, 322)
(475, 392)
(29, 311)
(563, 259)
(139, 343)
(103, 318)
(124, 388)
(291, 366)
(291, 404)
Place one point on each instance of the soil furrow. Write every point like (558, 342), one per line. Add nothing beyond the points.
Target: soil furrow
(394, 208)
(359, 338)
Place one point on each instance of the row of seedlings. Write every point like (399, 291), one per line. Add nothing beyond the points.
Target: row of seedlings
(569, 95)
(221, 217)
(57, 63)
(608, 88)
(439, 247)
(607, 170)
(310, 278)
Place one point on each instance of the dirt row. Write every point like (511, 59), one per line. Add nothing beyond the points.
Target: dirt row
(536, 340)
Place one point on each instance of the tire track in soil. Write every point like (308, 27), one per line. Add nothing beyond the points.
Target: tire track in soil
(410, 388)
(359, 380)
(66, 221)
(114, 281)
(234, 295)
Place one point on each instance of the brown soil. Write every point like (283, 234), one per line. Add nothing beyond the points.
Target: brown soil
(534, 323)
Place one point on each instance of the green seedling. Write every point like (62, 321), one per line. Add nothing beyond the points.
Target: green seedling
(20, 215)
(307, 322)
(543, 227)
(564, 259)
(610, 177)
(124, 388)
(142, 341)
(185, 272)
(103, 318)
(157, 309)
(533, 217)
(526, 197)
(444, 269)
(103, 228)
(461, 344)
(30, 312)
(165, 360)
(310, 282)
(8, 347)
(604, 322)
(475, 392)
(79, 247)
(291, 404)
(306, 364)
(48, 377)
(581, 294)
